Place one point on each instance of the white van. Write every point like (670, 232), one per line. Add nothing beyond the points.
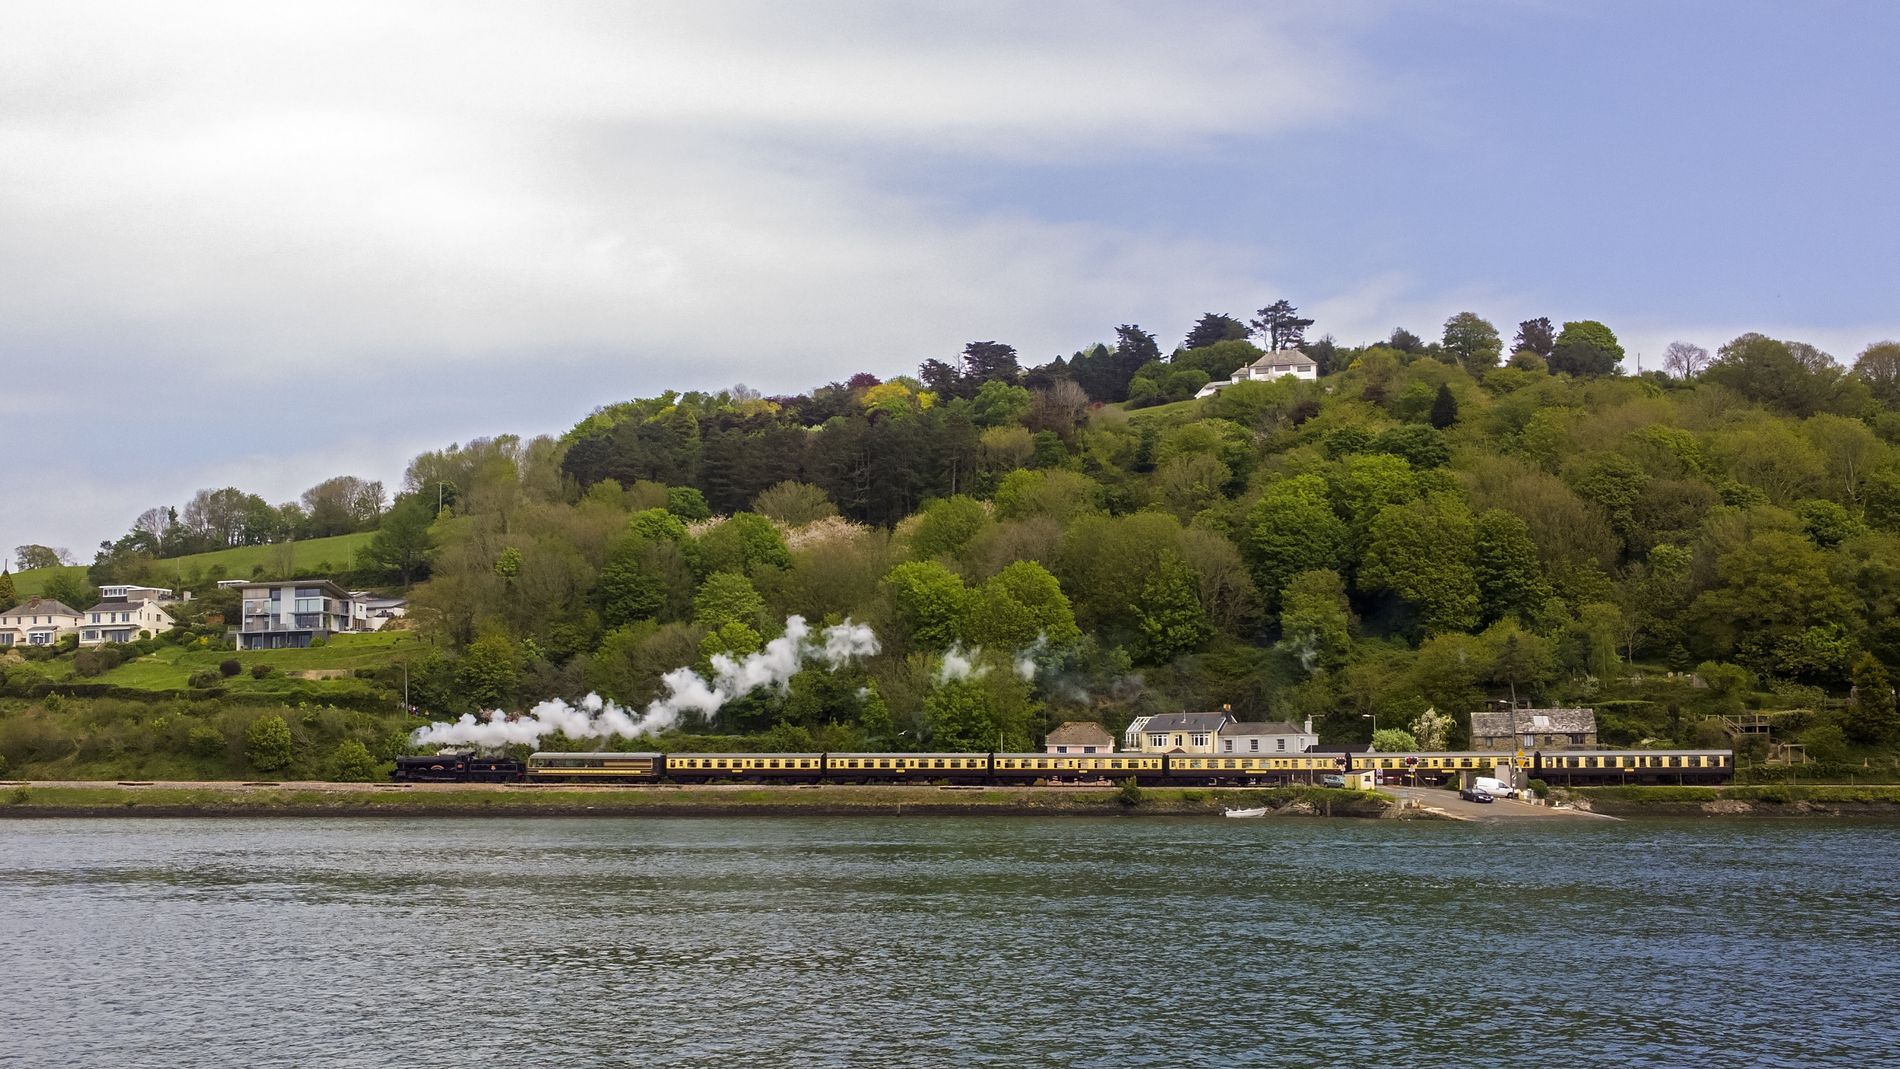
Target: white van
(1496, 788)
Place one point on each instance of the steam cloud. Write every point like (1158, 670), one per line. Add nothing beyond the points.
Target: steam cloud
(686, 692)
(960, 664)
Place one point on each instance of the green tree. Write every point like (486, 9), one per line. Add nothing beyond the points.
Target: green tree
(746, 542)
(353, 763)
(403, 543)
(1586, 348)
(32, 557)
(1213, 328)
(1423, 553)
(1060, 495)
(1315, 620)
(728, 598)
(1293, 529)
(946, 526)
(267, 743)
(1510, 574)
(1872, 718)
(794, 503)
(9, 597)
(1019, 605)
(1393, 740)
(1473, 342)
(70, 588)
(1432, 729)
(631, 587)
(1879, 368)
(488, 672)
(1444, 407)
(687, 503)
(1168, 615)
(998, 403)
(1281, 325)
(930, 600)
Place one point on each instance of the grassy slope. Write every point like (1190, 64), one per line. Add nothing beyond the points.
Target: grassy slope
(338, 552)
(170, 667)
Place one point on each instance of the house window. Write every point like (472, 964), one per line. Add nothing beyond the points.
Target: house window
(1177, 740)
(1280, 744)
(95, 617)
(1157, 740)
(1200, 738)
(1227, 745)
(91, 635)
(1253, 745)
(1062, 749)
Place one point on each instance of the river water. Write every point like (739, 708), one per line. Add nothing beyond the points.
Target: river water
(941, 942)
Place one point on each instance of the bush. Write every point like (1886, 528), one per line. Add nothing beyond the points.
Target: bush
(204, 680)
(95, 661)
(1130, 794)
(1539, 788)
(261, 671)
(317, 642)
(267, 743)
(230, 667)
(352, 763)
(206, 741)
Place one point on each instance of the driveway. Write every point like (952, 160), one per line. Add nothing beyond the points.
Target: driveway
(1497, 809)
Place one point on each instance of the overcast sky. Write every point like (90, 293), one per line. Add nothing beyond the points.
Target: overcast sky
(261, 244)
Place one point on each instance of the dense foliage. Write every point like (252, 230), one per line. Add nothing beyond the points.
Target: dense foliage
(1428, 525)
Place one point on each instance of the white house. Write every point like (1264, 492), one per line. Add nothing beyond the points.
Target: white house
(1268, 738)
(1274, 365)
(38, 622)
(289, 614)
(123, 620)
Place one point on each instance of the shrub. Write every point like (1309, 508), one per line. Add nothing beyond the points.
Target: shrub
(229, 667)
(1539, 788)
(352, 763)
(1130, 794)
(96, 661)
(204, 680)
(261, 671)
(267, 743)
(206, 741)
(317, 642)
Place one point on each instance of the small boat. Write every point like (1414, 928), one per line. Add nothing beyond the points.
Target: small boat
(1257, 812)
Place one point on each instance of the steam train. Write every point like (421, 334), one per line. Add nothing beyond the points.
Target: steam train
(1584, 768)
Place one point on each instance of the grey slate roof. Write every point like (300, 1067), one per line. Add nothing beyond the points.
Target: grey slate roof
(1193, 722)
(41, 607)
(1283, 357)
(1276, 727)
(1079, 733)
(1534, 722)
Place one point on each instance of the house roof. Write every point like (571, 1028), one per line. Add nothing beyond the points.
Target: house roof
(126, 605)
(1273, 727)
(1080, 733)
(1209, 722)
(41, 607)
(1283, 358)
(1534, 722)
(325, 584)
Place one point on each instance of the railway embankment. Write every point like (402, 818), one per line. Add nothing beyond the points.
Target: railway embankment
(1766, 800)
(312, 799)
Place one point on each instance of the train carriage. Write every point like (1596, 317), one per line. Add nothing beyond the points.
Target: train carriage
(594, 767)
(745, 767)
(907, 767)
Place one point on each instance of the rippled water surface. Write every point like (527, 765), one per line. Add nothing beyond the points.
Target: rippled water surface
(882, 942)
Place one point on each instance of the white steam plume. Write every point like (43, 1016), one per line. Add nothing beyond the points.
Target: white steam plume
(959, 664)
(686, 692)
(1026, 666)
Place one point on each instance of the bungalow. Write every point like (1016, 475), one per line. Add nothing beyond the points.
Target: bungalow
(1176, 732)
(1534, 729)
(38, 622)
(1279, 737)
(1274, 365)
(1079, 736)
(124, 620)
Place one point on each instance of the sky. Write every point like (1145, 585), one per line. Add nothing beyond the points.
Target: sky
(258, 245)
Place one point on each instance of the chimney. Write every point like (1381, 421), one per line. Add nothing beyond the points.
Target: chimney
(1308, 728)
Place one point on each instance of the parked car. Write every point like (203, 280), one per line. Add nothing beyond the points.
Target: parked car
(1332, 779)
(1496, 788)
(1475, 794)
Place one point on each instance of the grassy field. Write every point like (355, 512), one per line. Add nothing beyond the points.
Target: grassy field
(317, 556)
(390, 800)
(170, 667)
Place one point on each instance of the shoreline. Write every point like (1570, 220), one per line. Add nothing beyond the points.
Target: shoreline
(1773, 801)
(30, 800)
